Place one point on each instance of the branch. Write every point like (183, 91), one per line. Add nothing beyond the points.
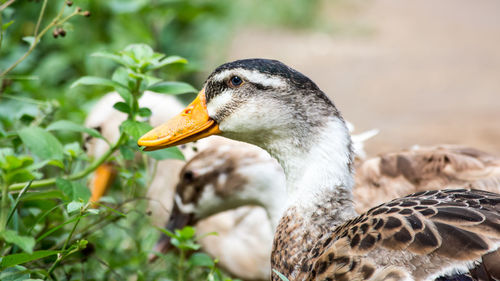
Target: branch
(85, 172)
(40, 17)
(54, 22)
(6, 4)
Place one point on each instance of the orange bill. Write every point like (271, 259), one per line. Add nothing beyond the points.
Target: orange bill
(193, 123)
(103, 178)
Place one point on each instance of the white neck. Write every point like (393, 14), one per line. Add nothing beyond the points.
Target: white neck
(267, 185)
(322, 172)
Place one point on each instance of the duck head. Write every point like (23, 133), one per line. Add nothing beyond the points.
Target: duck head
(252, 100)
(268, 104)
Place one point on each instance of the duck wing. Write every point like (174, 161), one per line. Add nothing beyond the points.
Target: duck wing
(420, 236)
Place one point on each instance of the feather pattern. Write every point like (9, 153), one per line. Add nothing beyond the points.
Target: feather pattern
(397, 174)
(429, 225)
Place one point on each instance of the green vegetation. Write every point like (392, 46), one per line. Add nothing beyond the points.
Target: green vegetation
(56, 59)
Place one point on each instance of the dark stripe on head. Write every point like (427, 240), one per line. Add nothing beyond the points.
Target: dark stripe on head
(293, 78)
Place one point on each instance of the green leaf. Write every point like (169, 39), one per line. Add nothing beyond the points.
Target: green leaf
(29, 39)
(18, 162)
(81, 192)
(201, 259)
(144, 112)
(111, 56)
(186, 232)
(15, 259)
(74, 206)
(21, 175)
(126, 95)
(135, 129)
(24, 242)
(166, 232)
(172, 88)
(15, 273)
(93, 211)
(166, 153)
(121, 75)
(16, 202)
(7, 24)
(66, 187)
(92, 80)
(127, 152)
(140, 52)
(53, 162)
(41, 143)
(66, 125)
(42, 195)
(73, 191)
(166, 61)
(121, 106)
(72, 149)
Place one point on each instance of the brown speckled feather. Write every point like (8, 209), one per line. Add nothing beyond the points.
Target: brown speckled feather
(397, 174)
(447, 227)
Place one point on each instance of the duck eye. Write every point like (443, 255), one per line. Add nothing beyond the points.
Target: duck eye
(235, 81)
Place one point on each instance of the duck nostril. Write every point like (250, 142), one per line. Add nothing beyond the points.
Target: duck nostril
(188, 176)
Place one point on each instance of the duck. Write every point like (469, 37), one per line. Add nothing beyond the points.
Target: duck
(236, 174)
(320, 236)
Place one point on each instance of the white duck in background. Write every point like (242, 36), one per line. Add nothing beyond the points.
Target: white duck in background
(320, 236)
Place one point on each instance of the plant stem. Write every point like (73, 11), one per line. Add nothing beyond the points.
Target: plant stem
(42, 12)
(6, 4)
(85, 172)
(13, 209)
(180, 266)
(1, 29)
(71, 233)
(61, 256)
(4, 206)
(54, 22)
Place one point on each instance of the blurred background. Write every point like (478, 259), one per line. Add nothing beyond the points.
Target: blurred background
(423, 72)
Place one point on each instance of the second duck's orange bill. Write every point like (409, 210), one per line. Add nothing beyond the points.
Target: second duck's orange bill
(193, 123)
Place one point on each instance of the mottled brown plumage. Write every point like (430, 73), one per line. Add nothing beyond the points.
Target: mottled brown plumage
(429, 225)
(397, 174)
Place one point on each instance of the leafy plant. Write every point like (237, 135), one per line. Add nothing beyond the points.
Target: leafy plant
(48, 228)
(185, 241)
(36, 152)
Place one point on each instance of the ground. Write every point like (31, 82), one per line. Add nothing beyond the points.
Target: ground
(422, 72)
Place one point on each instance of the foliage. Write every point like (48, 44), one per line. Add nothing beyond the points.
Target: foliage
(199, 265)
(44, 237)
(194, 29)
(48, 228)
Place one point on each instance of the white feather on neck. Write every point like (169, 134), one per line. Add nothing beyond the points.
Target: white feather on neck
(321, 171)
